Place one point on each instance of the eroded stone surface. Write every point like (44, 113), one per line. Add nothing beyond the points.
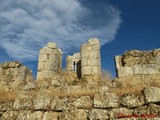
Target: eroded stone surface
(106, 100)
(59, 104)
(119, 112)
(152, 94)
(98, 114)
(83, 102)
(49, 62)
(74, 114)
(132, 101)
(136, 62)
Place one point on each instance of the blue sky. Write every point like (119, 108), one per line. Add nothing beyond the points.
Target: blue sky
(26, 26)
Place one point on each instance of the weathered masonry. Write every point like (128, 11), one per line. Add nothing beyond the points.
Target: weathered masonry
(137, 62)
(49, 62)
(88, 61)
(73, 63)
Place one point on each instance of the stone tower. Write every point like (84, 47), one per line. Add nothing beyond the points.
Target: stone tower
(49, 62)
(90, 58)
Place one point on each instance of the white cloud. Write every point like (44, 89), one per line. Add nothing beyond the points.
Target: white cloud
(27, 25)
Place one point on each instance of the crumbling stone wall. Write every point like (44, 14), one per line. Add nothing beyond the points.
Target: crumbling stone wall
(88, 61)
(90, 58)
(138, 63)
(14, 75)
(104, 105)
(49, 62)
(73, 63)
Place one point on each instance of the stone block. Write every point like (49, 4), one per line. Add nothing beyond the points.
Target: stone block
(43, 58)
(106, 100)
(50, 115)
(85, 50)
(22, 103)
(48, 74)
(29, 86)
(86, 70)
(152, 94)
(24, 73)
(95, 62)
(50, 66)
(96, 70)
(118, 113)
(83, 102)
(59, 104)
(37, 115)
(150, 69)
(10, 115)
(142, 110)
(132, 101)
(98, 114)
(74, 114)
(95, 54)
(137, 70)
(125, 71)
(41, 101)
(84, 62)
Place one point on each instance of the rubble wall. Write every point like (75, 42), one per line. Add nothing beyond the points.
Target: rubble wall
(137, 62)
(14, 74)
(49, 62)
(104, 105)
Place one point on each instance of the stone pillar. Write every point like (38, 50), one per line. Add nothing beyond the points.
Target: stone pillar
(90, 58)
(49, 62)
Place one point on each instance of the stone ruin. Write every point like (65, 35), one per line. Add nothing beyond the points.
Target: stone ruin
(15, 75)
(50, 100)
(49, 62)
(88, 61)
(85, 63)
(133, 63)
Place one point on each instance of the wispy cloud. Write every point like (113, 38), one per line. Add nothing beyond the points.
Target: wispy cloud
(27, 25)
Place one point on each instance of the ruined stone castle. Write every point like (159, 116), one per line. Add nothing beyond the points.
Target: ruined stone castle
(133, 95)
(85, 63)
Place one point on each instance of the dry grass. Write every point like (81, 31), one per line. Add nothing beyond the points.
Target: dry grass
(7, 96)
(134, 85)
(77, 93)
(106, 75)
(69, 76)
(127, 90)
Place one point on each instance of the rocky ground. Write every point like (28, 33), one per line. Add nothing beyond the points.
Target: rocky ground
(64, 97)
